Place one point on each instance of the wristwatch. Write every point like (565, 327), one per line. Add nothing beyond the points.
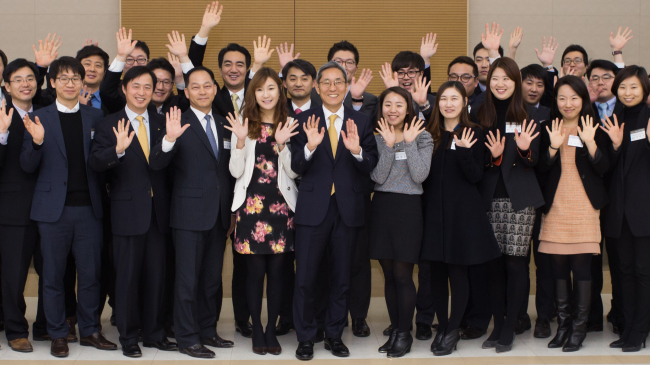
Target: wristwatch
(614, 53)
(360, 100)
(426, 106)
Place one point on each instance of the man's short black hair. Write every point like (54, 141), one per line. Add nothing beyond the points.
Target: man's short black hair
(3, 57)
(480, 46)
(343, 46)
(66, 63)
(407, 59)
(137, 71)
(466, 61)
(143, 46)
(196, 69)
(93, 50)
(234, 47)
(575, 48)
(15, 65)
(162, 63)
(604, 64)
(302, 65)
(533, 71)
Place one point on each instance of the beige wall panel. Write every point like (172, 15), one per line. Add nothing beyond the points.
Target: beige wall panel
(510, 7)
(597, 7)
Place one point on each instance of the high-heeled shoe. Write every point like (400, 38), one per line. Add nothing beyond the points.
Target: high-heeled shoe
(501, 347)
(635, 341)
(402, 345)
(440, 334)
(563, 306)
(391, 340)
(582, 302)
(448, 344)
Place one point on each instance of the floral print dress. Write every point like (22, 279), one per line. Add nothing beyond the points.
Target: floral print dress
(264, 222)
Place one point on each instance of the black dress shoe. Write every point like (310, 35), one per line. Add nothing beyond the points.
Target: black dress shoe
(131, 350)
(337, 347)
(360, 327)
(305, 351)
(245, 328)
(402, 345)
(164, 345)
(388, 330)
(199, 351)
(598, 327)
(218, 342)
(113, 320)
(283, 328)
(169, 332)
(423, 331)
(522, 325)
(542, 328)
(472, 333)
(391, 340)
(2, 326)
(319, 337)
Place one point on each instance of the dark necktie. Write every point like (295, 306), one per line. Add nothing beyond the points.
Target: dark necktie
(213, 141)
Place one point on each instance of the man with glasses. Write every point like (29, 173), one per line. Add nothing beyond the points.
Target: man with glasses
(465, 70)
(67, 204)
(574, 60)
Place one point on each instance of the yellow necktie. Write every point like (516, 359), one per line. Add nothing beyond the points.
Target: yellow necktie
(334, 138)
(234, 98)
(142, 136)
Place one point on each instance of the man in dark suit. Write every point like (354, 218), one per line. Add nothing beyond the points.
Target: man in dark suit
(95, 62)
(200, 212)
(67, 203)
(464, 69)
(140, 218)
(298, 78)
(330, 208)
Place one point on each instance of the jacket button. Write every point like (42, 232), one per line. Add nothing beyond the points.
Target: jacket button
(288, 188)
(514, 164)
(583, 177)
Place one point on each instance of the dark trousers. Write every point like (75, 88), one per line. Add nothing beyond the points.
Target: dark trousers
(424, 304)
(199, 260)
(17, 246)
(170, 279)
(39, 327)
(360, 276)
(238, 289)
(336, 240)
(70, 286)
(140, 284)
(79, 232)
(289, 275)
(545, 284)
(477, 314)
(616, 312)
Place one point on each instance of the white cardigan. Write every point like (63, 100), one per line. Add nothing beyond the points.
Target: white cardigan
(242, 163)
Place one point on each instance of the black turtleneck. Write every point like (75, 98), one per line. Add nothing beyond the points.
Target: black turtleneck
(631, 116)
(501, 107)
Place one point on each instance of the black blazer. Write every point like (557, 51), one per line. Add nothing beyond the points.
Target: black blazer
(129, 179)
(202, 189)
(292, 112)
(348, 175)
(591, 170)
(110, 91)
(368, 107)
(16, 185)
(628, 191)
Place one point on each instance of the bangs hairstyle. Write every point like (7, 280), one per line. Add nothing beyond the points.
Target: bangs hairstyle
(66, 64)
(137, 71)
(302, 65)
(234, 47)
(162, 64)
(631, 71)
(487, 112)
(15, 65)
(578, 85)
(93, 50)
(143, 46)
(602, 64)
(436, 124)
(575, 48)
(533, 71)
(252, 109)
(410, 111)
(464, 60)
(407, 59)
(343, 46)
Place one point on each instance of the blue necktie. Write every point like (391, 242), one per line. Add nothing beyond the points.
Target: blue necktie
(602, 110)
(213, 141)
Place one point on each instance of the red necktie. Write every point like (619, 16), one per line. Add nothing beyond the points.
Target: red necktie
(298, 111)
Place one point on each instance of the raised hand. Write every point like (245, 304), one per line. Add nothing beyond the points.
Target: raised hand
(357, 87)
(262, 51)
(492, 39)
(387, 132)
(419, 91)
(211, 18)
(515, 37)
(124, 44)
(466, 140)
(351, 138)
(594, 91)
(588, 131)
(556, 133)
(124, 138)
(47, 51)
(387, 76)
(173, 125)
(547, 54)
(614, 131)
(285, 54)
(89, 42)
(177, 46)
(5, 117)
(35, 129)
(240, 130)
(84, 98)
(526, 136)
(283, 133)
(617, 43)
(411, 132)
(314, 137)
(176, 64)
(496, 145)
(429, 46)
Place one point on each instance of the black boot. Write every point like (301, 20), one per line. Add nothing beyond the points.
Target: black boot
(402, 345)
(635, 341)
(563, 306)
(448, 343)
(582, 302)
(391, 340)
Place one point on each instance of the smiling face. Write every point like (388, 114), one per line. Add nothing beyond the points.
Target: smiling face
(463, 70)
(630, 92)
(568, 102)
(501, 85)
(136, 58)
(138, 93)
(346, 59)
(298, 84)
(394, 110)
(407, 76)
(163, 88)
(69, 89)
(451, 103)
(201, 91)
(233, 70)
(533, 89)
(94, 66)
(22, 85)
(574, 61)
(332, 88)
(483, 62)
(267, 95)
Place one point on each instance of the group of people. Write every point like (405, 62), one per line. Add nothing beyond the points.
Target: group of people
(111, 182)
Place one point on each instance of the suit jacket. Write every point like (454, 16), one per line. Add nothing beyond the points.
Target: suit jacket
(368, 107)
(16, 185)
(202, 188)
(323, 169)
(51, 162)
(111, 92)
(130, 179)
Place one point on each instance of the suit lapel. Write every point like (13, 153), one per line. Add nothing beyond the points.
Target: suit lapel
(196, 126)
(633, 147)
(55, 127)
(347, 102)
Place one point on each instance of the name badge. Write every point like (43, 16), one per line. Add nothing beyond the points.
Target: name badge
(92, 134)
(575, 141)
(226, 144)
(636, 135)
(453, 145)
(511, 127)
(400, 155)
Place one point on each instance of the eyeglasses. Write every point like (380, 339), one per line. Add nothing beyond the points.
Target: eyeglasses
(328, 83)
(465, 78)
(20, 80)
(606, 77)
(575, 61)
(348, 63)
(410, 73)
(166, 83)
(65, 79)
(140, 61)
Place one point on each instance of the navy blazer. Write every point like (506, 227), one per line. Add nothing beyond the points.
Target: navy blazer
(202, 184)
(348, 175)
(52, 164)
(130, 179)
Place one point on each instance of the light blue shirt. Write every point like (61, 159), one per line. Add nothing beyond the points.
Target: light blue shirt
(610, 107)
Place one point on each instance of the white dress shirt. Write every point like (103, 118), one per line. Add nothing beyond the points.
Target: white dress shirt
(240, 98)
(136, 124)
(64, 109)
(306, 106)
(167, 146)
(338, 124)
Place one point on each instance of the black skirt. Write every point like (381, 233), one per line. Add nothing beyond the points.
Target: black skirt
(396, 227)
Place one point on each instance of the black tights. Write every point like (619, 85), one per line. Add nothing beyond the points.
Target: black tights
(579, 265)
(399, 290)
(257, 266)
(509, 284)
(459, 281)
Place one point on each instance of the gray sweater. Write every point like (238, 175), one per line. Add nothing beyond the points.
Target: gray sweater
(403, 176)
